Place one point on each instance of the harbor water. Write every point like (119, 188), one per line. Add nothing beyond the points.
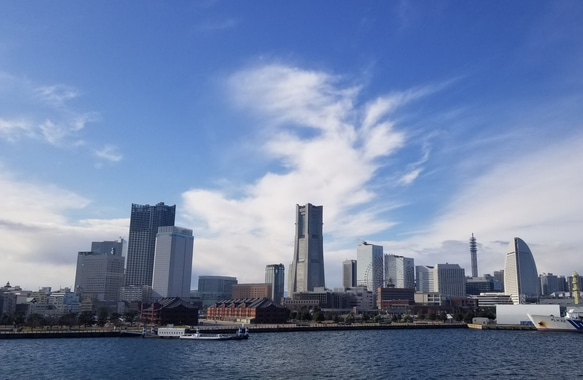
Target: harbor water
(373, 354)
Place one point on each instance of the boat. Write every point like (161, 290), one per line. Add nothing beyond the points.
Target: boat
(571, 322)
(202, 336)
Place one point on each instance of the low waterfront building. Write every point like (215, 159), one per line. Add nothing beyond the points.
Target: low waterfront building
(388, 297)
(257, 310)
(493, 299)
(172, 310)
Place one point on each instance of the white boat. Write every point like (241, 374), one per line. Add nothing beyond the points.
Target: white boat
(202, 336)
(571, 322)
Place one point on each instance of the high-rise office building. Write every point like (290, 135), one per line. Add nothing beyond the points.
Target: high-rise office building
(274, 275)
(399, 271)
(549, 283)
(474, 255)
(99, 272)
(144, 223)
(520, 274)
(212, 289)
(425, 279)
(172, 262)
(307, 268)
(369, 266)
(450, 280)
(349, 273)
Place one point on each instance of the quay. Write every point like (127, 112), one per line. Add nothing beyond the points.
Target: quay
(501, 327)
(253, 329)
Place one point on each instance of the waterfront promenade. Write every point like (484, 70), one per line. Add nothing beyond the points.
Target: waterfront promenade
(45, 333)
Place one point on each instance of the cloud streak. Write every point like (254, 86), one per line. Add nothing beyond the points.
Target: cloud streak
(328, 148)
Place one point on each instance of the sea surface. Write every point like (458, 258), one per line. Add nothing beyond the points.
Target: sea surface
(374, 354)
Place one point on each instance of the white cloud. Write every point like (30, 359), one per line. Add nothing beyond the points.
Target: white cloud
(30, 111)
(13, 130)
(109, 153)
(536, 197)
(328, 159)
(39, 242)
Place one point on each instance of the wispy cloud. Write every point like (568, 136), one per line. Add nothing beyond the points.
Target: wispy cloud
(214, 25)
(330, 149)
(30, 111)
(535, 196)
(109, 153)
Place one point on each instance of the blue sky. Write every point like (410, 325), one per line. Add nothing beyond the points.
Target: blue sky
(415, 124)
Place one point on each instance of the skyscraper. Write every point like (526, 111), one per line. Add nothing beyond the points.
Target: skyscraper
(307, 268)
(144, 223)
(172, 262)
(425, 279)
(369, 268)
(474, 256)
(99, 272)
(274, 275)
(399, 271)
(349, 273)
(520, 273)
(450, 280)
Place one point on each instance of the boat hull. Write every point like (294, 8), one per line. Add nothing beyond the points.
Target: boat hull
(213, 337)
(552, 323)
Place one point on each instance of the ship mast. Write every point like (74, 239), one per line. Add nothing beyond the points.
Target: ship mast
(576, 287)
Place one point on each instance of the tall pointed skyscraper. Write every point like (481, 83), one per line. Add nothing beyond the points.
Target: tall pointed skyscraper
(307, 268)
(474, 256)
(144, 223)
(520, 274)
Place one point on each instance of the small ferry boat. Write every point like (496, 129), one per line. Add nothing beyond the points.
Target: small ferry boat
(202, 336)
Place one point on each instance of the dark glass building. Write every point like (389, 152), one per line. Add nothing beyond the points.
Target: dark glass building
(144, 223)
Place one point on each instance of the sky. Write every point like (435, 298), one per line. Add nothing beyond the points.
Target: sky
(414, 124)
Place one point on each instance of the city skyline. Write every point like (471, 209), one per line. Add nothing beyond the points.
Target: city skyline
(415, 125)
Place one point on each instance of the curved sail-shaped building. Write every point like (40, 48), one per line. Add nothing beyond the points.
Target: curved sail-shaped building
(520, 275)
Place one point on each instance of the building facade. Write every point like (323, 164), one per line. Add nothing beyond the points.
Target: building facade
(212, 289)
(425, 279)
(172, 262)
(307, 268)
(349, 273)
(144, 223)
(242, 291)
(99, 275)
(521, 280)
(259, 310)
(399, 271)
(275, 275)
(450, 280)
(369, 267)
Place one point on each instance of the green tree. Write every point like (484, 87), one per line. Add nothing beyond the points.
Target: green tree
(102, 318)
(18, 319)
(115, 318)
(6, 319)
(349, 318)
(68, 319)
(432, 317)
(130, 316)
(35, 320)
(318, 316)
(86, 318)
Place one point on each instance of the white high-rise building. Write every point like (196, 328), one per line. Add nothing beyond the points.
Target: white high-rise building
(399, 271)
(172, 262)
(369, 266)
(520, 274)
(425, 279)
